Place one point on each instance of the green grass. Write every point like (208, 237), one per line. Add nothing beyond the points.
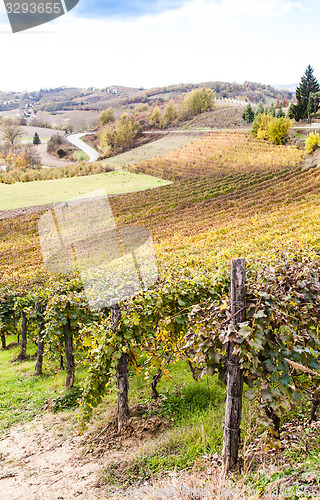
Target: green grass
(80, 155)
(26, 139)
(28, 194)
(194, 412)
(22, 394)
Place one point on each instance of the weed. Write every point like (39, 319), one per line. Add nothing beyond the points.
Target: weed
(67, 401)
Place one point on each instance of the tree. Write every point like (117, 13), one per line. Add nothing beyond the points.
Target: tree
(309, 84)
(36, 139)
(291, 112)
(23, 158)
(196, 102)
(285, 102)
(121, 134)
(280, 113)
(10, 130)
(260, 109)
(266, 127)
(312, 142)
(272, 110)
(260, 126)
(248, 114)
(313, 104)
(170, 113)
(106, 117)
(278, 129)
(156, 118)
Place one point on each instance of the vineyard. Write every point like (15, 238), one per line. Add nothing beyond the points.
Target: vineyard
(232, 196)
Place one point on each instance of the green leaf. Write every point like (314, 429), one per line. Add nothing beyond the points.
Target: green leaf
(266, 395)
(259, 314)
(244, 331)
(135, 319)
(285, 379)
(87, 342)
(251, 395)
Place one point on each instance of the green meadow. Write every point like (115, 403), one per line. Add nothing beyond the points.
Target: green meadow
(29, 194)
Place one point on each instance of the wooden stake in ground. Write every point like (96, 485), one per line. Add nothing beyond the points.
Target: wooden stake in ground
(68, 346)
(23, 352)
(122, 374)
(37, 307)
(231, 432)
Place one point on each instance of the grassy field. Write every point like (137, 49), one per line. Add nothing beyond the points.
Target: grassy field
(80, 120)
(42, 192)
(44, 133)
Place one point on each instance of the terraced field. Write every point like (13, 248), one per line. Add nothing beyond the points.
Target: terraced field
(233, 196)
(219, 154)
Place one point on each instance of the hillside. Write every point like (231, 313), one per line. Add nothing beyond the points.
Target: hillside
(227, 187)
(230, 195)
(91, 99)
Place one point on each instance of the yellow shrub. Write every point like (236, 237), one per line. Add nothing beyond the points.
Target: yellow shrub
(312, 142)
(266, 126)
(278, 129)
(260, 126)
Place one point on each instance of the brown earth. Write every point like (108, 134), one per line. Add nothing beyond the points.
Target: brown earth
(47, 159)
(47, 460)
(26, 211)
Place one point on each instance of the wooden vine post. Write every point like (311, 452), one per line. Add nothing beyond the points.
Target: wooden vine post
(122, 374)
(232, 421)
(68, 345)
(23, 352)
(40, 348)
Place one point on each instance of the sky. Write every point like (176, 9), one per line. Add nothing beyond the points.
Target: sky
(150, 43)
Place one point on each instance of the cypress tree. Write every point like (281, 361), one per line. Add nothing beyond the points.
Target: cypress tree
(280, 113)
(248, 114)
(272, 110)
(36, 138)
(309, 84)
(260, 109)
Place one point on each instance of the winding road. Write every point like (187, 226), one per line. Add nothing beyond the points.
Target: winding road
(75, 139)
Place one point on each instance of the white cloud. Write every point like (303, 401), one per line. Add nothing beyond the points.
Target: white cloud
(203, 40)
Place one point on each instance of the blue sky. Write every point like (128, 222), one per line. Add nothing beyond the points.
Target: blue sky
(162, 42)
(124, 9)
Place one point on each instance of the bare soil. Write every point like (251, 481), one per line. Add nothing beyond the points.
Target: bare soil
(47, 159)
(47, 459)
(26, 211)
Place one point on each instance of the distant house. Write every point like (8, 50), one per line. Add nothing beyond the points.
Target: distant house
(29, 113)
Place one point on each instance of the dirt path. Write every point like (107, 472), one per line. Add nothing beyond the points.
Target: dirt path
(17, 212)
(46, 459)
(49, 160)
(41, 460)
